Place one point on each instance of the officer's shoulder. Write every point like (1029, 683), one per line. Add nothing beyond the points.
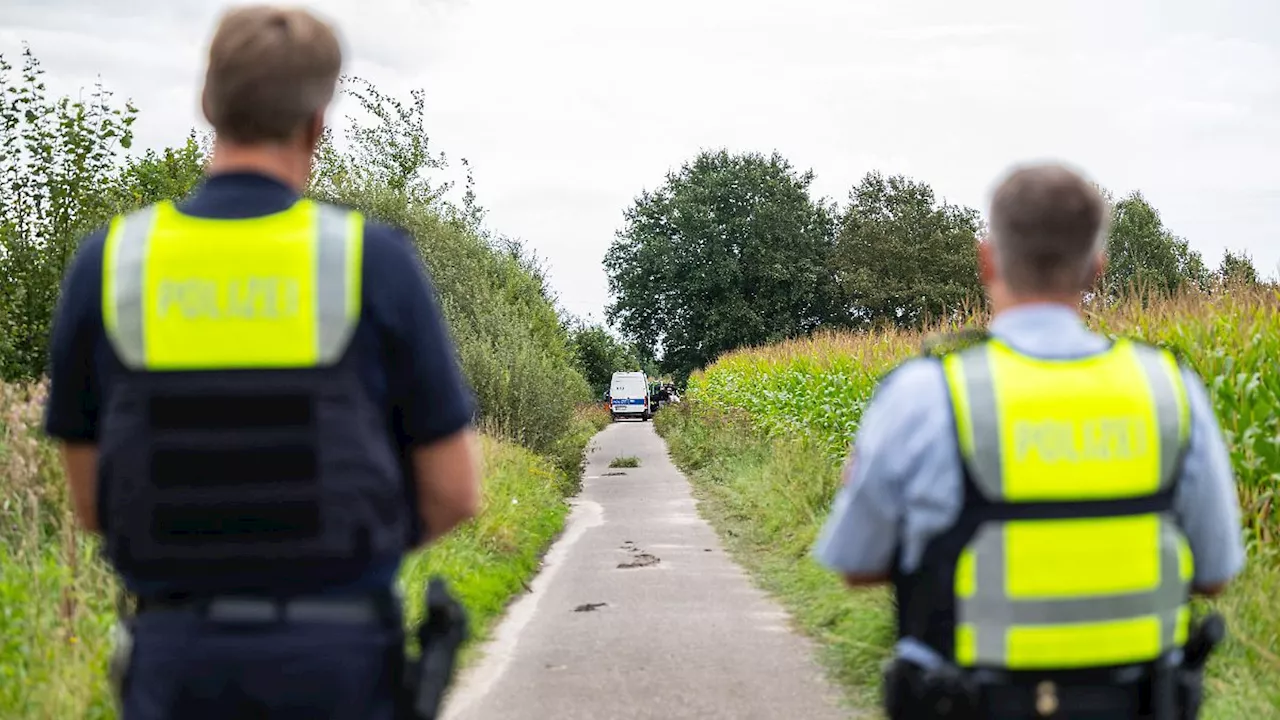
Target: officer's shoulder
(1174, 351)
(92, 242)
(920, 376)
(938, 345)
(375, 230)
(89, 253)
(915, 379)
(378, 232)
(388, 248)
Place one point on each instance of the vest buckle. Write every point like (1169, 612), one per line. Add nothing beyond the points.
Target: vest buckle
(1046, 698)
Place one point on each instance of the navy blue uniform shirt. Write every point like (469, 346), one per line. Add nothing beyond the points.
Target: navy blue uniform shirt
(402, 344)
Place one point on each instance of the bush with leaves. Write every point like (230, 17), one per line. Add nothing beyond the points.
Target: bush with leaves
(511, 341)
(58, 162)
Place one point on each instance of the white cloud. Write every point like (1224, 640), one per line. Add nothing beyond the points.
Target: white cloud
(569, 108)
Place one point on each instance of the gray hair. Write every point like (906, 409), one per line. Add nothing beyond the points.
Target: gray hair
(1048, 225)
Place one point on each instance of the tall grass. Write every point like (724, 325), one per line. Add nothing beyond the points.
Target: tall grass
(765, 430)
(57, 598)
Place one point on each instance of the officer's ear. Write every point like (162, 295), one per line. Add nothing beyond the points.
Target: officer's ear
(314, 130)
(1100, 267)
(986, 262)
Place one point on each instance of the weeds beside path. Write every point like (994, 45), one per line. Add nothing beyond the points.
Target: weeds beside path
(760, 495)
(762, 434)
(57, 598)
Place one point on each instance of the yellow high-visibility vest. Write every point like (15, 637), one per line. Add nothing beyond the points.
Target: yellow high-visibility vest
(1074, 558)
(275, 292)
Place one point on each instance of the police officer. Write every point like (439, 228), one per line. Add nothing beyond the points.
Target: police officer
(1044, 499)
(259, 410)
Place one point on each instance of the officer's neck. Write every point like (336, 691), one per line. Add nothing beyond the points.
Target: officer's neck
(289, 165)
(1003, 302)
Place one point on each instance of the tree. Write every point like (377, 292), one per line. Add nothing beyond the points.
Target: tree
(58, 166)
(167, 175)
(1144, 255)
(901, 257)
(729, 251)
(1237, 269)
(599, 355)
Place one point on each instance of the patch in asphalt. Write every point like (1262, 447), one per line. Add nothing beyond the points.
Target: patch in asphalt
(642, 560)
(590, 607)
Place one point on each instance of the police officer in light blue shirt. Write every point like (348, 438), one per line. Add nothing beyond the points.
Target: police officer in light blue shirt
(904, 482)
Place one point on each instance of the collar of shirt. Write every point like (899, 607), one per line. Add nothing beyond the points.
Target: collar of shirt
(236, 195)
(1047, 331)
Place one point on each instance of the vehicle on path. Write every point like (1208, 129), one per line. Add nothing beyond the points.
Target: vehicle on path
(629, 396)
(662, 395)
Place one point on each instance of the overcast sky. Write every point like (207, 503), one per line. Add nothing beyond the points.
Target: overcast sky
(567, 109)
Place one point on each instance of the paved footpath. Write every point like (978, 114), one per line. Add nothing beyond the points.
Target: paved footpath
(639, 613)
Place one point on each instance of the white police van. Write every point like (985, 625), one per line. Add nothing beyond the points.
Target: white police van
(629, 396)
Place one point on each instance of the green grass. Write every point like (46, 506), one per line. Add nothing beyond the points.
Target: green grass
(764, 498)
(763, 433)
(57, 599)
(628, 461)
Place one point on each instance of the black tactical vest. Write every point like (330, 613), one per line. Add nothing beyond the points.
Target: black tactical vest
(216, 477)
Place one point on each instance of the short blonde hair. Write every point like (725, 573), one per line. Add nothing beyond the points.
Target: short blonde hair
(1048, 226)
(270, 71)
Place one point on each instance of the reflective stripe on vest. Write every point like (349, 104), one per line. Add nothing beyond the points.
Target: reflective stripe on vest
(274, 292)
(1073, 592)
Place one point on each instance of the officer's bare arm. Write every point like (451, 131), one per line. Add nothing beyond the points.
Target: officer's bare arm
(1210, 590)
(858, 581)
(448, 476)
(81, 464)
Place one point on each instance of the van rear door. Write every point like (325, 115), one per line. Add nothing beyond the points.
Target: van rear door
(628, 394)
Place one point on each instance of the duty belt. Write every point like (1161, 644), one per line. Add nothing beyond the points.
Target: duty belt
(248, 609)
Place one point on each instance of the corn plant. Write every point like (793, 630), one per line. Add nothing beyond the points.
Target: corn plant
(817, 387)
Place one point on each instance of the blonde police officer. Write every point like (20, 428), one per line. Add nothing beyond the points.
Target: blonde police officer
(1045, 500)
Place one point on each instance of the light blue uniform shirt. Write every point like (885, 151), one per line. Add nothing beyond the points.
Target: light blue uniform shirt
(904, 486)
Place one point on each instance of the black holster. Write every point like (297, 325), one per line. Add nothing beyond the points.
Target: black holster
(912, 692)
(1205, 636)
(440, 636)
(120, 661)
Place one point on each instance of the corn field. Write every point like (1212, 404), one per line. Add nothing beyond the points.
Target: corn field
(817, 387)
